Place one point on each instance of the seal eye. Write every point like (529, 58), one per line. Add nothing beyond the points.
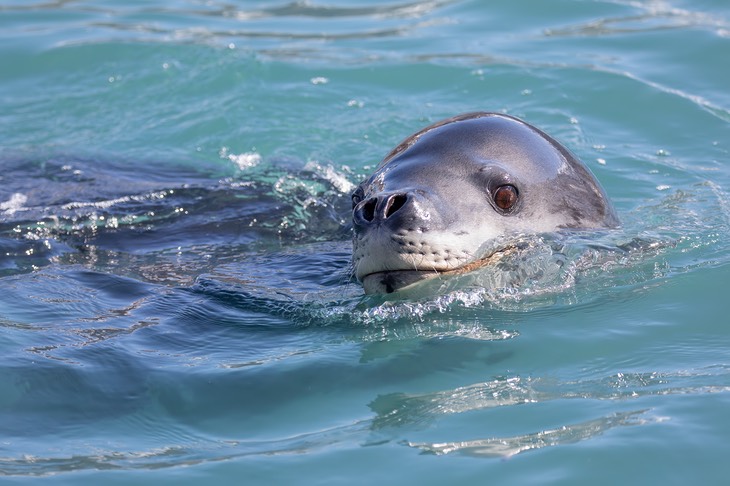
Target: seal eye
(505, 197)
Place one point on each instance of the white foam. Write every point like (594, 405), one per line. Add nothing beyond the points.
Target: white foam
(15, 203)
(245, 160)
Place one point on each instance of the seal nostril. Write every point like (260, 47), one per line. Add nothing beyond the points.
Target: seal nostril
(378, 208)
(368, 209)
(394, 203)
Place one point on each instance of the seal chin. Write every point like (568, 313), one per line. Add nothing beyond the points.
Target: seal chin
(391, 281)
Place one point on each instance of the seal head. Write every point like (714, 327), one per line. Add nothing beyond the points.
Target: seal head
(447, 199)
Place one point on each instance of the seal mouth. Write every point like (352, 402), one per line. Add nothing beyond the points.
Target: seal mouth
(389, 281)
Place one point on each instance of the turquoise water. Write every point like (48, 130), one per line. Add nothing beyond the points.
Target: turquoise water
(175, 300)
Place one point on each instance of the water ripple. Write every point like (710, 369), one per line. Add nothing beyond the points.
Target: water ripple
(656, 16)
(397, 410)
(307, 9)
(194, 450)
(509, 446)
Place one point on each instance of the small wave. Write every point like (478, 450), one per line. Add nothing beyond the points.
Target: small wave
(509, 446)
(653, 16)
(698, 100)
(191, 451)
(306, 9)
(398, 410)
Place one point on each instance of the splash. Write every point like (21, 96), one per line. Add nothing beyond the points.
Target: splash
(14, 204)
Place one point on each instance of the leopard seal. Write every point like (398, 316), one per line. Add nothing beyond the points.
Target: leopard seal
(447, 199)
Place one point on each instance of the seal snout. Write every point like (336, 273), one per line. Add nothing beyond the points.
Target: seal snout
(378, 208)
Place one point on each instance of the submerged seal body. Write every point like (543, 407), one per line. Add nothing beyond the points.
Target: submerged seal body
(447, 198)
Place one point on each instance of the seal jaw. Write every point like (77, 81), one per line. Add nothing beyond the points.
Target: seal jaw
(386, 263)
(392, 281)
(389, 281)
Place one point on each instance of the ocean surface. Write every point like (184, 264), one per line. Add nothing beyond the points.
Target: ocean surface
(176, 300)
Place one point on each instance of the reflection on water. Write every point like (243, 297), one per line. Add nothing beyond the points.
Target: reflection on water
(400, 410)
(509, 446)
